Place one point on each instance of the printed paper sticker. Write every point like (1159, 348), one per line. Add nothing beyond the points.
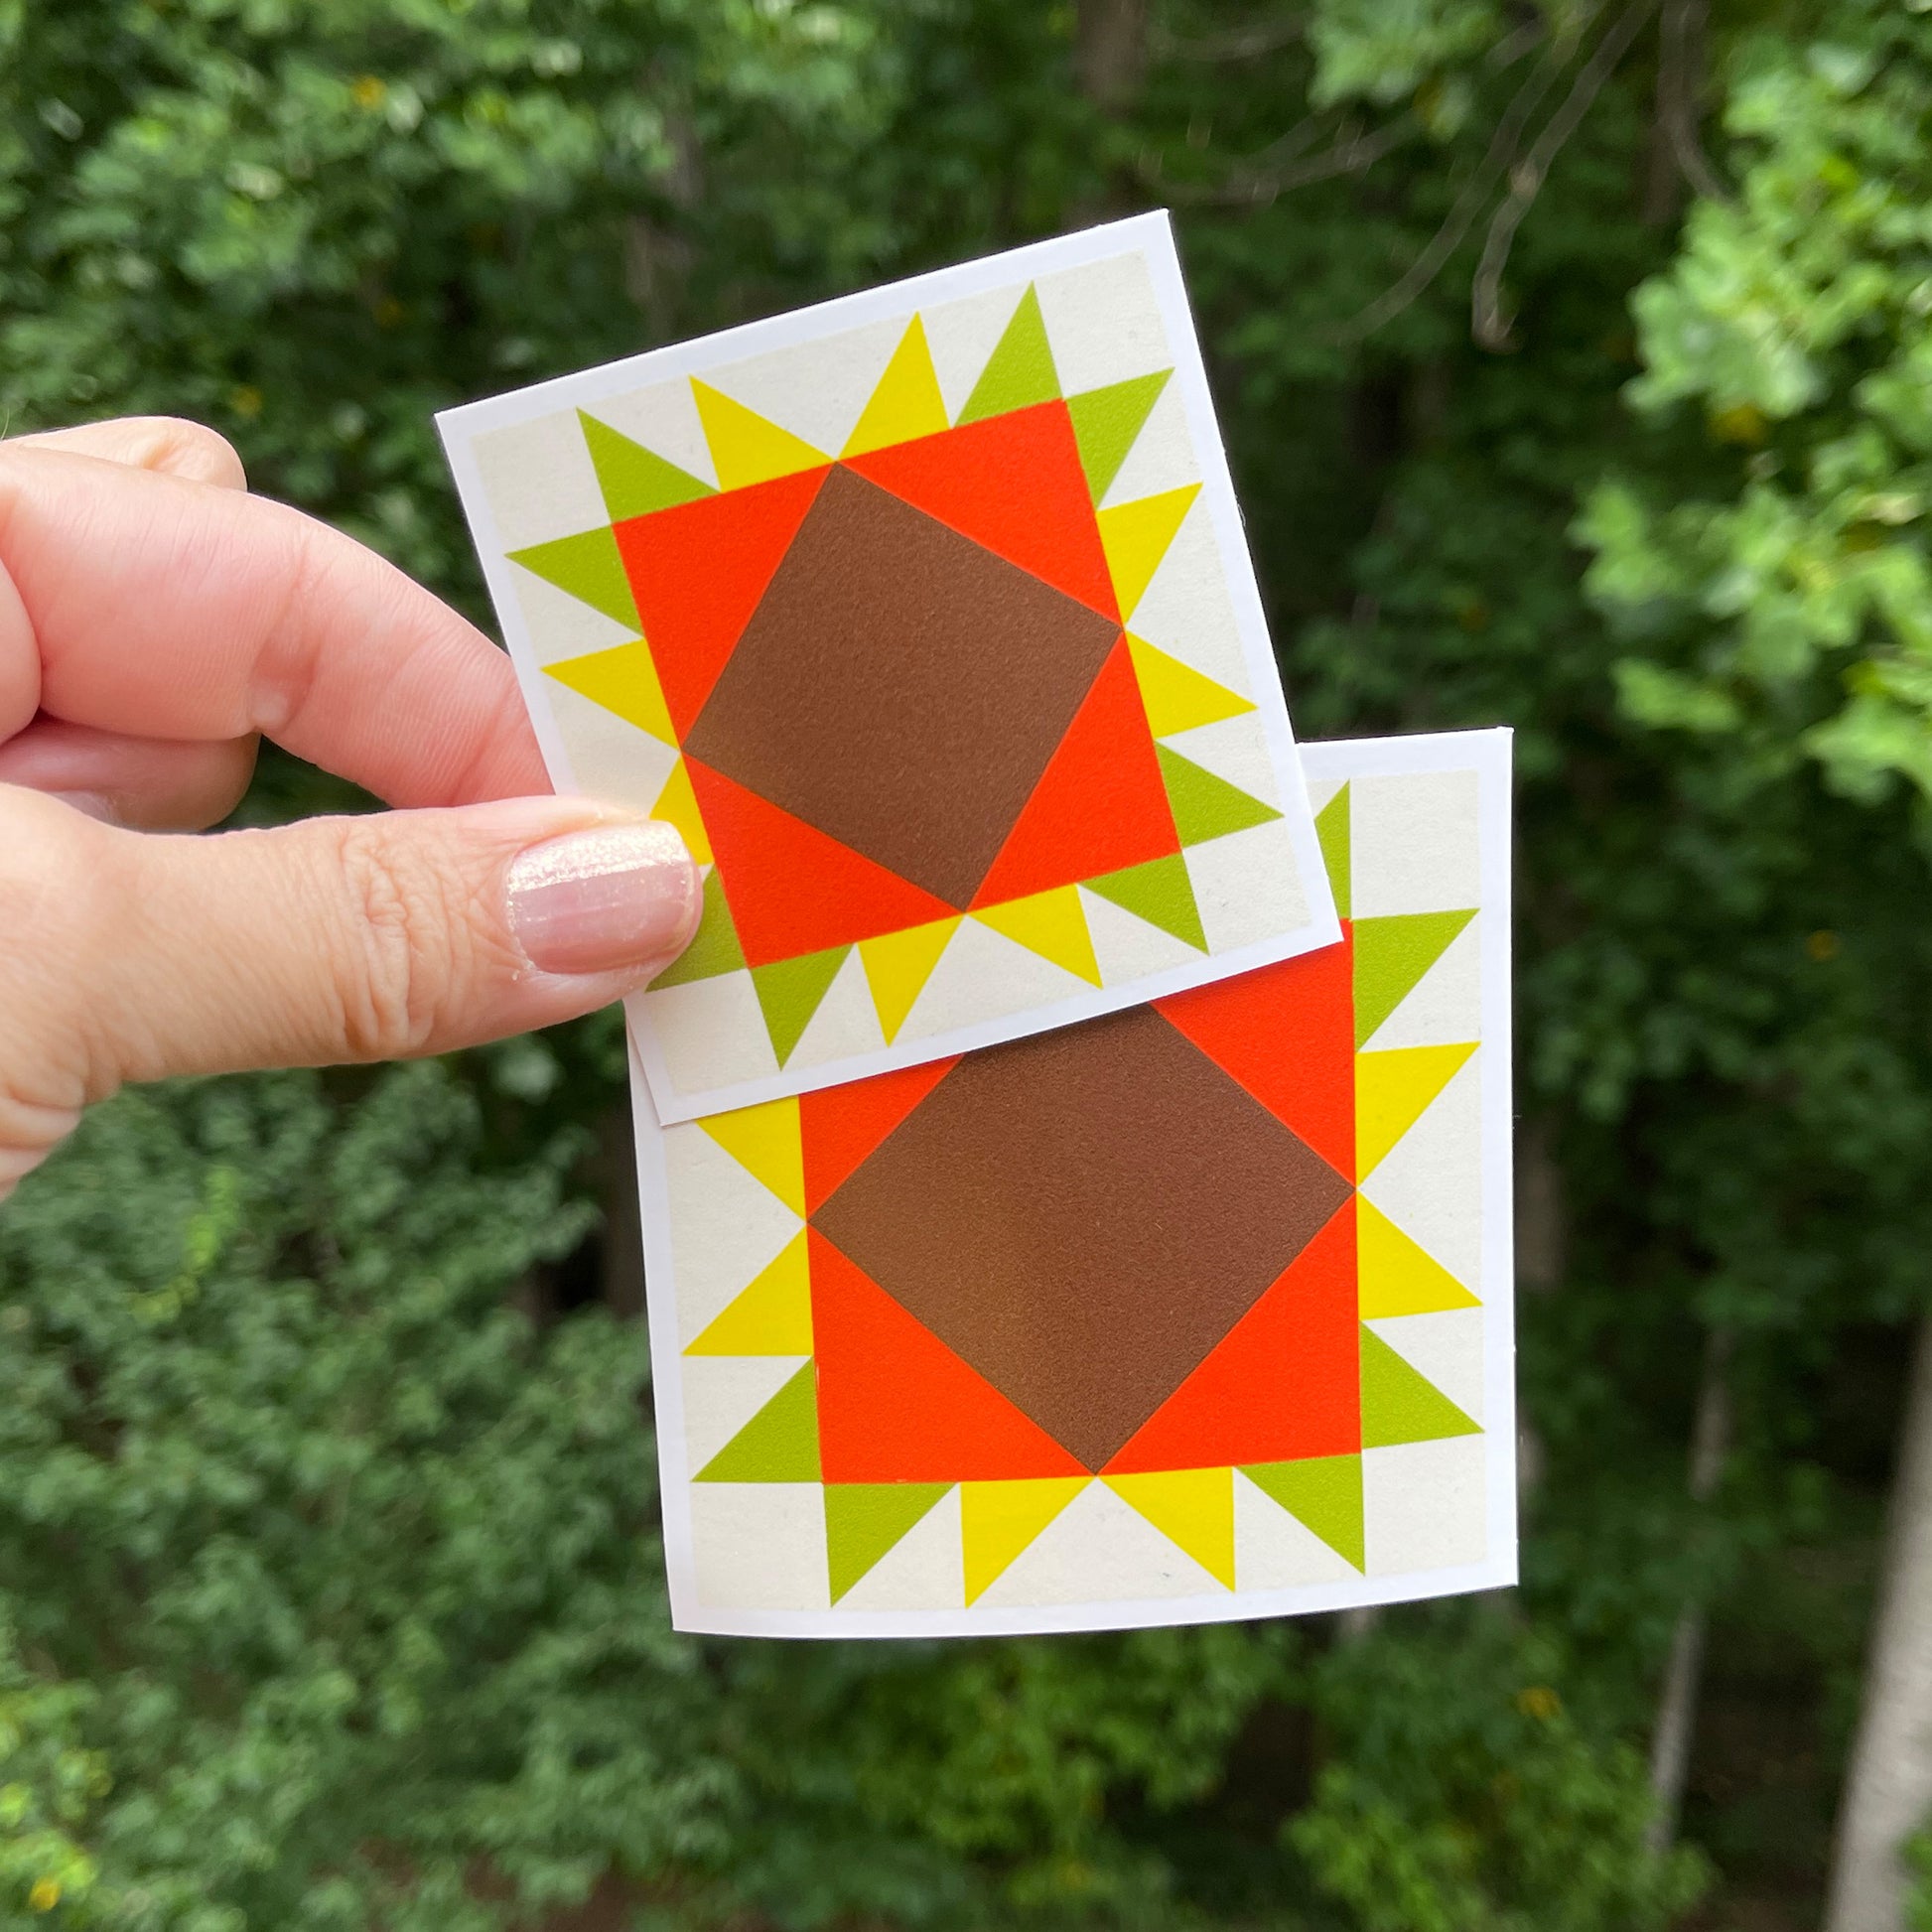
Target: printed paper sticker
(1195, 1310)
(927, 615)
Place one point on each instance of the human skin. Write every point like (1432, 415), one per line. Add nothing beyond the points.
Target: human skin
(156, 621)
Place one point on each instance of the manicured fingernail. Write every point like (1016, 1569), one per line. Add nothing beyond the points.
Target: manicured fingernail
(602, 899)
(95, 804)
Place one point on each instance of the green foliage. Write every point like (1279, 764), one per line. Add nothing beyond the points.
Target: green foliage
(1468, 1798)
(1370, 50)
(1786, 597)
(50, 1784)
(353, 1562)
(326, 1553)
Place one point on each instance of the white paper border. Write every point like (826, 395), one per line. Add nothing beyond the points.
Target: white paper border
(1488, 752)
(1150, 236)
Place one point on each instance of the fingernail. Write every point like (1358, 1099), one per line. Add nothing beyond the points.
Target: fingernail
(95, 804)
(597, 901)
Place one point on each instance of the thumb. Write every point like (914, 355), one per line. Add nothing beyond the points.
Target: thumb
(130, 956)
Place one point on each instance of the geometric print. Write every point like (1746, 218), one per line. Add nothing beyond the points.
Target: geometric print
(1185, 1312)
(939, 672)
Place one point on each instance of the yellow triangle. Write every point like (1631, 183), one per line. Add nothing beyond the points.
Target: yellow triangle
(1052, 925)
(997, 1520)
(906, 402)
(1177, 695)
(763, 1140)
(624, 680)
(1192, 1507)
(772, 1316)
(1135, 536)
(899, 964)
(1394, 1276)
(745, 446)
(677, 804)
(1390, 1091)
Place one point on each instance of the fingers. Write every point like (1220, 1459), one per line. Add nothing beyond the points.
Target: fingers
(138, 602)
(166, 443)
(334, 940)
(156, 784)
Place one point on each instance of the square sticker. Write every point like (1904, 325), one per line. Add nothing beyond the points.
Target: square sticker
(927, 615)
(1194, 1311)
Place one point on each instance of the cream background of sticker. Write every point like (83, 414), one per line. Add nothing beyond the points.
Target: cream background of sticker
(708, 1029)
(663, 418)
(617, 760)
(846, 1021)
(1414, 844)
(925, 1569)
(722, 1393)
(541, 483)
(725, 1228)
(563, 627)
(1124, 946)
(1444, 1348)
(1424, 1505)
(961, 335)
(1097, 1546)
(1271, 1551)
(1444, 1006)
(1162, 458)
(1241, 885)
(1185, 610)
(816, 390)
(1430, 1184)
(1104, 322)
(760, 1545)
(978, 975)
(1232, 748)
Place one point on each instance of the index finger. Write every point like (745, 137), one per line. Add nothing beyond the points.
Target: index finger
(146, 604)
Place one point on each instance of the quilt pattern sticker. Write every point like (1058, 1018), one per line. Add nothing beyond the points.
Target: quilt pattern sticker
(1195, 1310)
(927, 617)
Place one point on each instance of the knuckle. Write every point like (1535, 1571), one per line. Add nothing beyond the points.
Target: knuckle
(414, 949)
(60, 878)
(64, 899)
(196, 452)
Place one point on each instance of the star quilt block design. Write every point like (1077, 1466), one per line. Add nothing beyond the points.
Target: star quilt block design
(1193, 1310)
(930, 635)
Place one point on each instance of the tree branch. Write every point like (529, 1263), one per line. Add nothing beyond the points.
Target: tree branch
(1462, 213)
(1349, 154)
(1680, 58)
(1676, 1704)
(1486, 321)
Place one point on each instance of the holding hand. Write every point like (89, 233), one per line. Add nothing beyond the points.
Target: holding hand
(154, 618)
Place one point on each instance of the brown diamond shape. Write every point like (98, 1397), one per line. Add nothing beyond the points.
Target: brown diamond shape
(1083, 1217)
(901, 687)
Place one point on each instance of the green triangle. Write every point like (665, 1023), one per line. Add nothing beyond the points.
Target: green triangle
(713, 947)
(779, 1443)
(1106, 422)
(1160, 893)
(863, 1520)
(1020, 371)
(789, 991)
(1399, 1406)
(1331, 828)
(1323, 1493)
(589, 567)
(1206, 807)
(636, 480)
(1391, 955)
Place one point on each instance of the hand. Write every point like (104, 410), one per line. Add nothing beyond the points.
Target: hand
(154, 619)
